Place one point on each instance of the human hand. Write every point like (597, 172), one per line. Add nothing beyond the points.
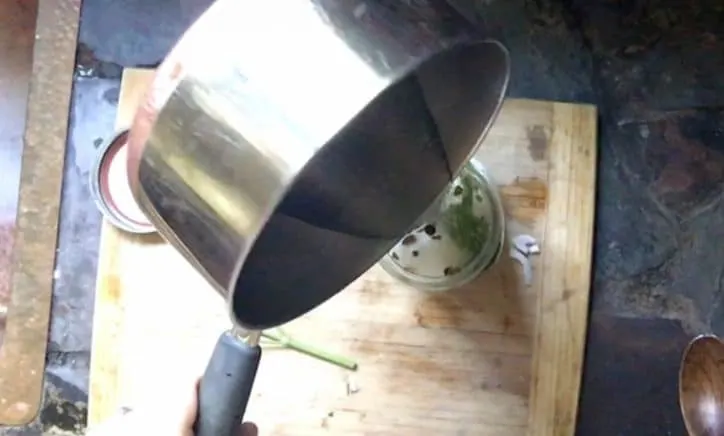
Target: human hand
(172, 413)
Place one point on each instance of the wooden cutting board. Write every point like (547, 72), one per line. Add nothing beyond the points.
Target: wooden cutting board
(494, 358)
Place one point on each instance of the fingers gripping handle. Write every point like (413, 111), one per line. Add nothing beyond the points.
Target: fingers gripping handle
(226, 386)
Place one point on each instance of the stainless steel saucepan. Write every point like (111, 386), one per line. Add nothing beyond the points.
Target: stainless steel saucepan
(286, 145)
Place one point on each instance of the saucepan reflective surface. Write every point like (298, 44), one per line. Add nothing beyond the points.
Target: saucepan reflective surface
(285, 146)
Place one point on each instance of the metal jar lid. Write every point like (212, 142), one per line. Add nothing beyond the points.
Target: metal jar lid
(111, 190)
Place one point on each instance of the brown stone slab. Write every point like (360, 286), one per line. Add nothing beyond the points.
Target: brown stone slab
(17, 34)
(22, 355)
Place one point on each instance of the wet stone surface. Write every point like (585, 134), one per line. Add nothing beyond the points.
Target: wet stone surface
(654, 70)
(657, 277)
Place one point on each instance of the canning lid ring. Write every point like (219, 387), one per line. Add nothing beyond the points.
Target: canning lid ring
(100, 187)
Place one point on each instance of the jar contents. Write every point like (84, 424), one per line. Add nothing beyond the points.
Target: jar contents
(465, 239)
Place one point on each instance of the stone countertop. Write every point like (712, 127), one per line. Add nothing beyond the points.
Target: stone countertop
(653, 69)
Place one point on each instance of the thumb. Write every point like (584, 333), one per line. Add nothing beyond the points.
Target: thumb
(248, 429)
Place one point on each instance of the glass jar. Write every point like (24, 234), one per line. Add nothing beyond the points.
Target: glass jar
(456, 244)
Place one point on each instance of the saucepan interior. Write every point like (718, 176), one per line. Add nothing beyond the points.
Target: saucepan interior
(368, 185)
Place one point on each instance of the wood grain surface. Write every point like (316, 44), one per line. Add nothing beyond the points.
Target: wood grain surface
(496, 357)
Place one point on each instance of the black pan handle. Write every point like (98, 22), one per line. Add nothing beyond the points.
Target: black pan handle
(226, 386)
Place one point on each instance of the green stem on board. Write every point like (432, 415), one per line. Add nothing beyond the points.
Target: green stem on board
(281, 338)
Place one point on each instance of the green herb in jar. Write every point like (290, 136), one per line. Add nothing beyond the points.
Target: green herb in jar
(467, 229)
